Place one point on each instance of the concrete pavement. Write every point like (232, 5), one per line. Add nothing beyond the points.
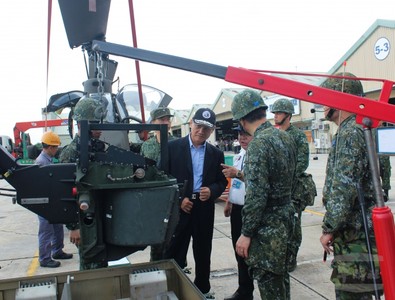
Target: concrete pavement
(310, 280)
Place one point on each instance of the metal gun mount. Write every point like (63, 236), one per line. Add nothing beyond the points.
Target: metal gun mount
(121, 200)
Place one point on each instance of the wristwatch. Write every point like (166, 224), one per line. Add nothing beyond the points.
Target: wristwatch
(239, 174)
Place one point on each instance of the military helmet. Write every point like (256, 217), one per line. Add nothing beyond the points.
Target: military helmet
(160, 112)
(89, 109)
(50, 138)
(283, 105)
(246, 102)
(348, 86)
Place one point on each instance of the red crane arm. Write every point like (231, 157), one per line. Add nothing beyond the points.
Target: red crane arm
(24, 126)
(376, 110)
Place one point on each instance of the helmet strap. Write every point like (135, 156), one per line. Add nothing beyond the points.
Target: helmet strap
(283, 120)
(330, 113)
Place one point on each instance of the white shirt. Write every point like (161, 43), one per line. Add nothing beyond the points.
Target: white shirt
(237, 189)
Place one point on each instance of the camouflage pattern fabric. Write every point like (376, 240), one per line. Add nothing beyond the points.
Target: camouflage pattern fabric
(89, 109)
(348, 165)
(348, 86)
(302, 149)
(151, 149)
(160, 112)
(283, 105)
(269, 285)
(70, 155)
(267, 213)
(298, 201)
(246, 102)
(385, 171)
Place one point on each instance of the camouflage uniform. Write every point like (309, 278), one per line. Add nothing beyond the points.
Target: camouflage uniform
(385, 173)
(299, 201)
(86, 109)
(267, 212)
(69, 153)
(348, 165)
(151, 149)
(302, 162)
(269, 170)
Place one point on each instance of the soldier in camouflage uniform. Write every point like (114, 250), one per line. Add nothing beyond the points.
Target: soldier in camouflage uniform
(86, 109)
(385, 173)
(283, 110)
(151, 149)
(267, 212)
(343, 230)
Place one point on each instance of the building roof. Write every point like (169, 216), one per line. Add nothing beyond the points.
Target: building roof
(378, 23)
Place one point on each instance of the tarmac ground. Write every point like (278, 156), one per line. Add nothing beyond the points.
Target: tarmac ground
(310, 280)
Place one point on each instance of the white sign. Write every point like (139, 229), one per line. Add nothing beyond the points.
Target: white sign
(385, 140)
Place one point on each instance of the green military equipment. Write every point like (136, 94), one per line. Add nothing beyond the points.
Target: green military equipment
(283, 105)
(246, 102)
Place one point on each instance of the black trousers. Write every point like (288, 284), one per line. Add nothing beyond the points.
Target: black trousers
(199, 225)
(246, 283)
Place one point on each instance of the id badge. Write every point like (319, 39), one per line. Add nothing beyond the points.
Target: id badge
(236, 183)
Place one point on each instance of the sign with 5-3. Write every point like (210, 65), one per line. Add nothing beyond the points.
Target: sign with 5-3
(382, 48)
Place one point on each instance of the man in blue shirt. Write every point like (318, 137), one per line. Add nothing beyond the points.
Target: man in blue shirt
(193, 160)
(50, 236)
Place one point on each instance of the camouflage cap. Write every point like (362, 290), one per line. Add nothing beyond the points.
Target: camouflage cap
(89, 109)
(160, 112)
(246, 102)
(345, 85)
(283, 105)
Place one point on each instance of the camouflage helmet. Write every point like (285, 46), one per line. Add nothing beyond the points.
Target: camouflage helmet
(348, 86)
(246, 102)
(89, 109)
(283, 105)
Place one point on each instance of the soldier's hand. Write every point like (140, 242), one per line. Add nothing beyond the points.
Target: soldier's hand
(326, 242)
(242, 246)
(75, 237)
(186, 205)
(205, 193)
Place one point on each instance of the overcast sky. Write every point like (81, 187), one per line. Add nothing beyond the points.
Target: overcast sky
(283, 35)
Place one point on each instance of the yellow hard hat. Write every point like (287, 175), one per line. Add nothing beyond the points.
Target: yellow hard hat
(50, 138)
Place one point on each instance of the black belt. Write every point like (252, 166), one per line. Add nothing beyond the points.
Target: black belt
(237, 206)
(195, 196)
(278, 202)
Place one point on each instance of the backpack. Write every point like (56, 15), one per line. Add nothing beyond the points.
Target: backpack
(305, 190)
